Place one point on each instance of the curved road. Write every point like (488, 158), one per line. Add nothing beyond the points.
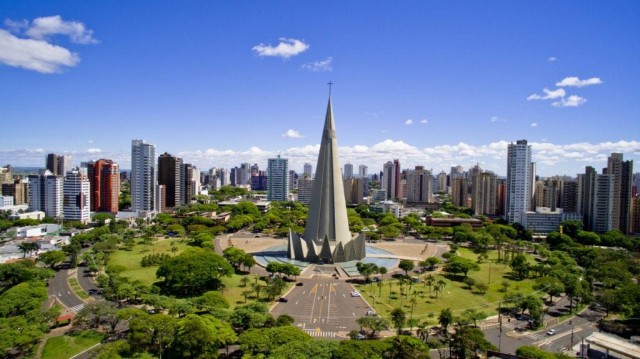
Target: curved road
(59, 288)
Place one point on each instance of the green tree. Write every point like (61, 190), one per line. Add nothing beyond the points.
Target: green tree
(51, 258)
(520, 266)
(194, 271)
(406, 265)
(27, 247)
(374, 324)
(398, 318)
(366, 269)
(445, 319)
(469, 342)
(460, 265)
(201, 336)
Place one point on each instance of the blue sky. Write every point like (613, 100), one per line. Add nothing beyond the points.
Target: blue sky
(219, 83)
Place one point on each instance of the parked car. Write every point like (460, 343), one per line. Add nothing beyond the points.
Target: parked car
(551, 332)
(283, 300)
(371, 313)
(299, 284)
(355, 293)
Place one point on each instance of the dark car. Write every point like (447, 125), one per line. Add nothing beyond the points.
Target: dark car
(299, 284)
(283, 300)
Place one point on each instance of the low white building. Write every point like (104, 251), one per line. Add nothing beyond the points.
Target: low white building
(6, 201)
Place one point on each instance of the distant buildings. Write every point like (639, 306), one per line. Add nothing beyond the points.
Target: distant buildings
(277, 179)
(484, 193)
(418, 185)
(363, 171)
(170, 175)
(143, 177)
(391, 179)
(348, 171)
(58, 164)
(308, 170)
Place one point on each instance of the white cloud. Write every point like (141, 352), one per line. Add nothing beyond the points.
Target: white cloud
(534, 124)
(497, 119)
(94, 150)
(43, 27)
(292, 134)
(285, 48)
(319, 66)
(424, 121)
(36, 55)
(89, 141)
(576, 82)
(35, 52)
(571, 101)
(408, 122)
(548, 95)
(552, 59)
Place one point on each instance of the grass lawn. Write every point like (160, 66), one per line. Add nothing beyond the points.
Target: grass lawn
(134, 271)
(65, 346)
(455, 295)
(131, 259)
(75, 286)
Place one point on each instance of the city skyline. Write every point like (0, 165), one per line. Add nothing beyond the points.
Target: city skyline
(434, 85)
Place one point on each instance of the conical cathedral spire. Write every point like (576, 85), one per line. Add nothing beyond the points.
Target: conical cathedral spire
(327, 227)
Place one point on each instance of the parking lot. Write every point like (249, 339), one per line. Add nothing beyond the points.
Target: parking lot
(323, 307)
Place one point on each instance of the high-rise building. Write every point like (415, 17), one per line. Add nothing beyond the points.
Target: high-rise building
(143, 176)
(519, 186)
(635, 214)
(171, 176)
(391, 179)
(355, 189)
(442, 181)
(459, 192)
(277, 179)
(104, 184)
(77, 196)
(191, 182)
(326, 236)
(46, 194)
(293, 180)
(363, 171)
(18, 189)
(596, 193)
(419, 185)
(244, 176)
(259, 181)
(569, 196)
(484, 193)
(308, 170)
(305, 187)
(348, 170)
(255, 170)
(622, 172)
(58, 164)
(6, 175)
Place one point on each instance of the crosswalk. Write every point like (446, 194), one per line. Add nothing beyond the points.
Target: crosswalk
(77, 308)
(316, 333)
(535, 336)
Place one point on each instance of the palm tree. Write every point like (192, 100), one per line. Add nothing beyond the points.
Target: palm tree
(28, 247)
(382, 271)
(429, 281)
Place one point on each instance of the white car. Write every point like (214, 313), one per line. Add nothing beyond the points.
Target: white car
(551, 332)
(355, 293)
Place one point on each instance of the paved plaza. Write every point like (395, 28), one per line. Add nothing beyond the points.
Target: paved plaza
(323, 307)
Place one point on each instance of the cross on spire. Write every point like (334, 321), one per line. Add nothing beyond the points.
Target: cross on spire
(330, 84)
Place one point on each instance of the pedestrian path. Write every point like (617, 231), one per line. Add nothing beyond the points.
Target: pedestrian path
(76, 308)
(317, 333)
(535, 336)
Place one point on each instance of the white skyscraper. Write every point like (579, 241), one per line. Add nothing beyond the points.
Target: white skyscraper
(519, 186)
(45, 194)
(363, 171)
(277, 179)
(348, 170)
(77, 196)
(143, 176)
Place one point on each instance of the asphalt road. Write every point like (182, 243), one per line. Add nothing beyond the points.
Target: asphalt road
(582, 325)
(59, 287)
(323, 307)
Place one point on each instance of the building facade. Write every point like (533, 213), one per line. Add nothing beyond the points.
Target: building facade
(104, 183)
(46, 194)
(419, 185)
(143, 177)
(519, 185)
(277, 179)
(77, 196)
